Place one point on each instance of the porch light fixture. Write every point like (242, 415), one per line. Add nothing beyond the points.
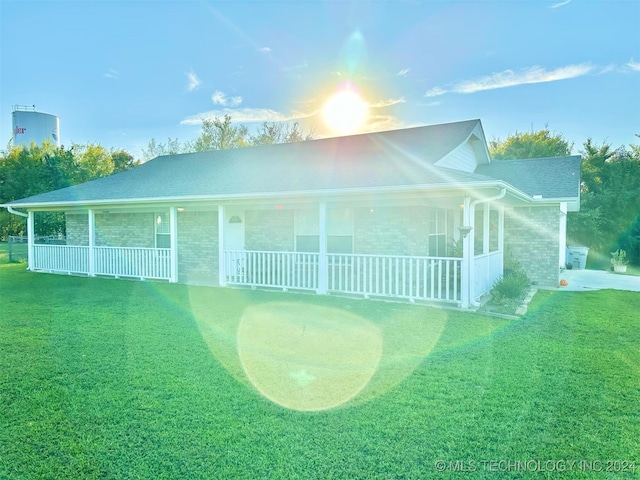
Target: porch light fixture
(159, 219)
(464, 231)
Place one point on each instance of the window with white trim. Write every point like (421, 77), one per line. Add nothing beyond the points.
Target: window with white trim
(162, 230)
(494, 225)
(339, 230)
(478, 230)
(307, 230)
(437, 228)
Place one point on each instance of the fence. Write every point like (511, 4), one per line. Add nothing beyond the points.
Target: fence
(18, 246)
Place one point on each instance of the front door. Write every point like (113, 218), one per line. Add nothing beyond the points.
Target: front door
(234, 244)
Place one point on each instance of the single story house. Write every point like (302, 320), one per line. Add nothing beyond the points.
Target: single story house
(418, 213)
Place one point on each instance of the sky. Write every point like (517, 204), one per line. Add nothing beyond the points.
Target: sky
(120, 73)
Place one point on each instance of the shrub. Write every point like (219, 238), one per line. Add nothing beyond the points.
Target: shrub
(511, 286)
(630, 242)
(619, 257)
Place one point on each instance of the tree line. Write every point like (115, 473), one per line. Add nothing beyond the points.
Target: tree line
(222, 134)
(609, 217)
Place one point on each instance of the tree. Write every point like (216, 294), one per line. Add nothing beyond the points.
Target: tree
(594, 163)
(93, 162)
(172, 147)
(539, 144)
(272, 133)
(30, 170)
(610, 199)
(220, 134)
(122, 161)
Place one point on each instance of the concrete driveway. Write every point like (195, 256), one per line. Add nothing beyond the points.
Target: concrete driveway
(585, 280)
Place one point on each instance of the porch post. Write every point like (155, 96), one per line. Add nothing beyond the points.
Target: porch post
(501, 229)
(92, 242)
(173, 240)
(31, 261)
(472, 254)
(222, 277)
(466, 251)
(322, 257)
(485, 227)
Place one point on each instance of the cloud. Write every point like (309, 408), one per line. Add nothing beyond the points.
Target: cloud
(561, 4)
(300, 66)
(378, 123)
(434, 92)
(193, 81)
(387, 103)
(634, 65)
(430, 104)
(403, 72)
(509, 78)
(113, 74)
(265, 49)
(220, 98)
(245, 115)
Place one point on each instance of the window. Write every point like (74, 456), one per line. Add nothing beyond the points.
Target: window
(437, 236)
(163, 230)
(307, 231)
(494, 221)
(339, 230)
(478, 230)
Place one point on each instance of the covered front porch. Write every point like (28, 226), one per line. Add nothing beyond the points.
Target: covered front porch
(446, 249)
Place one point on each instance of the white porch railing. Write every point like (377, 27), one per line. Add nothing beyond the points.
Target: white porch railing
(423, 278)
(151, 263)
(295, 270)
(60, 258)
(420, 278)
(487, 270)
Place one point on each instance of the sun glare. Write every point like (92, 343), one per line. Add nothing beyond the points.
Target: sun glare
(345, 111)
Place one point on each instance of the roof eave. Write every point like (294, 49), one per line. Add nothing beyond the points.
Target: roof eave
(573, 203)
(265, 195)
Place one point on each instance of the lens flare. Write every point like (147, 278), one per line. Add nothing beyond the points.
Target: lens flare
(312, 359)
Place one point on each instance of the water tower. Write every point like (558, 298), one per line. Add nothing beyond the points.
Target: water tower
(29, 125)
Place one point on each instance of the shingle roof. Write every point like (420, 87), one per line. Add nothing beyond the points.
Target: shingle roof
(382, 159)
(552, 177)
(397, 158)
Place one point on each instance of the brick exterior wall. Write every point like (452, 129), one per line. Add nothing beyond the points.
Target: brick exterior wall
(531, 238)
(271, 230)
(77, 227)
(113, 229)
(198, 247)
(125, 230)
(391, 231)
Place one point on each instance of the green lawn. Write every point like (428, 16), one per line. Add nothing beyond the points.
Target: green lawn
(112, 379)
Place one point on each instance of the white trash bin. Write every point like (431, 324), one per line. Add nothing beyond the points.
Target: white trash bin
(577, 257)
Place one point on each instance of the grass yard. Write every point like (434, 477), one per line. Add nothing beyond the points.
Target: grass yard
(112, 379)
